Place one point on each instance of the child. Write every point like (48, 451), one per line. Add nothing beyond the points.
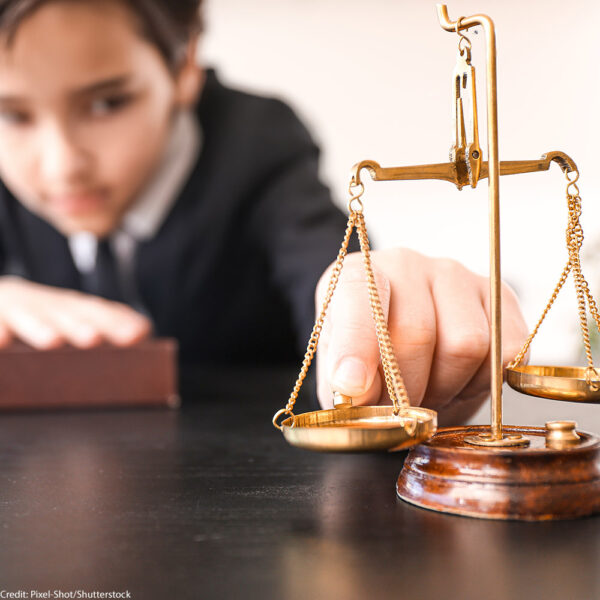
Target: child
(140, 194)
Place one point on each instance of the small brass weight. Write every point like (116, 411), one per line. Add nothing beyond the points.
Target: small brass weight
(495, 471)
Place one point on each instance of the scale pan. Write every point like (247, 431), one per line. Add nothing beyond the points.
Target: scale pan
(359, 429)
(555, 383)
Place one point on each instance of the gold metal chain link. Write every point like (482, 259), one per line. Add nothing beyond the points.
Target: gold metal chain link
(318, 327)
(393, 379)
(574, 241)
(521, 355)
(464, 43)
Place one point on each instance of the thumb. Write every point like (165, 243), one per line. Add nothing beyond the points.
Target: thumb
(5, 335)
(353, 351)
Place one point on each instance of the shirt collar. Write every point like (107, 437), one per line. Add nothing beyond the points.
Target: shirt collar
(149, 211)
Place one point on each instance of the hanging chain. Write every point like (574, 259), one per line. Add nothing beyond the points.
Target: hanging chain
(519, 358)
(318, 327)
(393, 379)
(574, 240)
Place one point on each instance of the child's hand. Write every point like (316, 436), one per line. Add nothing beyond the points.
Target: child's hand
(439, 325)
(46, 317)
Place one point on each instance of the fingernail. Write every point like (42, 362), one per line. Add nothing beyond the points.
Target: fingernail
(127, 333)
(47, 338)
(350, 375)
(87, 337)
(85, 333)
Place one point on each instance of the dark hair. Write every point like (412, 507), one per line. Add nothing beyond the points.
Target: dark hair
(169, 24)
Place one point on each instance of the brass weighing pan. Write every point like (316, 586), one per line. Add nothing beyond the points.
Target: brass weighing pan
(556, 383)
(360, 428)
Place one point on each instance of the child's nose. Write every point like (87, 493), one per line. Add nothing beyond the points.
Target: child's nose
(63, 158)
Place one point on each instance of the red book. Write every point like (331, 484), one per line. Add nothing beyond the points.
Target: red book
(141, 375)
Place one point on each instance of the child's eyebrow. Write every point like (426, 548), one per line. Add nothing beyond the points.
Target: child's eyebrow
(100, 86)
(111, 83)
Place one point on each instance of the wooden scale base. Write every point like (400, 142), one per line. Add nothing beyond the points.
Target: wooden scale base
(533, 483)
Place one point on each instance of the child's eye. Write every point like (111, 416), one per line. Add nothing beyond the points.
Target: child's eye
(110, 104)
(14, 117)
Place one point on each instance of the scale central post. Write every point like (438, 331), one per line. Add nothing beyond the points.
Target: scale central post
(466, 168)
(496, 436)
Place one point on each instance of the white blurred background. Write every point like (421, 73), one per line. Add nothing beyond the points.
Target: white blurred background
(373, 80)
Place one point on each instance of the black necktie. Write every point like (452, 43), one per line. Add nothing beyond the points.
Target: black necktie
(105, 280)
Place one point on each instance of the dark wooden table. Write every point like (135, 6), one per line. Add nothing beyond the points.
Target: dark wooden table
(209, 502)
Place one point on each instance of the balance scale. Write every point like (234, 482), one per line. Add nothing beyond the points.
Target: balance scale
(495, 471)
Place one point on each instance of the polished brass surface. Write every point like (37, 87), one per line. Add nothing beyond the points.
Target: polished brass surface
(410, 428)
(506, 441)
(465, 152)
(316, 332)
(449, 171)
(393, 378)
(466, 167)
(456, 173)
(391, 372)
(360, 428)
(460, 173)
(341, 400)
(561, 434)
(494, 205)
(560, 383)
(571, 384)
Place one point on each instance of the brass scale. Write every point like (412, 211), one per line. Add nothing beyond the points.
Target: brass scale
(347, 428)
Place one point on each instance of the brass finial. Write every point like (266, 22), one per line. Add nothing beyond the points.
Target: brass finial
(561, 434)
(341, 400)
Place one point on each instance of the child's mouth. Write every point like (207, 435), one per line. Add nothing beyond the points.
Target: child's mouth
(77, 203)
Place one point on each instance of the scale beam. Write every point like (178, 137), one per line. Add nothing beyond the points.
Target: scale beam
(456, 173)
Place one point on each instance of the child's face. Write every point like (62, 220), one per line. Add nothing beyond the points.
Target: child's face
(85, 108)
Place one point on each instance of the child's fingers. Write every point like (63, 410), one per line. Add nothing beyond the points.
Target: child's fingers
(438, 321)
(47, 317)
(514, 333)
(116, 323)
(514, 328)
(373, 395)
(412, 323)
(352, 355)
(76, 330)
(32, 327)
(463, 338)
(5, 335)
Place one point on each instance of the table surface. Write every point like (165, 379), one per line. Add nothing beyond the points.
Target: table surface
(210, 502)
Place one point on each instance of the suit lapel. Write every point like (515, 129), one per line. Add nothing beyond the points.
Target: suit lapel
(46, 252)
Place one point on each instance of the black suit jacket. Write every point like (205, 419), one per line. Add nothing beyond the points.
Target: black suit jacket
(232, 271)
